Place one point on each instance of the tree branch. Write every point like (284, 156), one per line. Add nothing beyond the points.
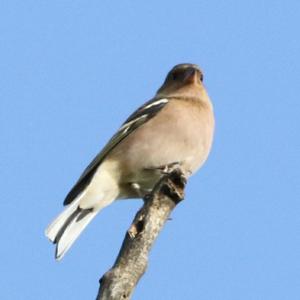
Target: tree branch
(131, 263)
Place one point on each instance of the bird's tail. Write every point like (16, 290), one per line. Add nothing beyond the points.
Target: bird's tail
(66, 228)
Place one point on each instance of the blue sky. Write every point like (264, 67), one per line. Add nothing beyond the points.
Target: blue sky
(72, 71)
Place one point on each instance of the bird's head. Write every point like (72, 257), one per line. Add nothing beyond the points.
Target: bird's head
(184, 80)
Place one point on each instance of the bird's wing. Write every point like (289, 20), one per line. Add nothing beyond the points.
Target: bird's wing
(138, 118)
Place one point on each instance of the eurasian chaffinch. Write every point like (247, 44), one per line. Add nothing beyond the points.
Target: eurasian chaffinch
(175, 127)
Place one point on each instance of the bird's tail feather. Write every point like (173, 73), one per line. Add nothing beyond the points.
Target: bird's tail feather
(66, 228)
(53, 229)
(72, 230)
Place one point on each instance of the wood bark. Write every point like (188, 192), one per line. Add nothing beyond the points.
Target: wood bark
(119, 282)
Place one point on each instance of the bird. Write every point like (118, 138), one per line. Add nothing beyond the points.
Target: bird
(175, 127)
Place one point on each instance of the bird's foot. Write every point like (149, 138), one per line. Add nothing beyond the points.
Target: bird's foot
(166, 169)
(169, 168)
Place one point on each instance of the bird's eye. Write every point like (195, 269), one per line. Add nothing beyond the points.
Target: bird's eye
(201, 77)
(174, 76)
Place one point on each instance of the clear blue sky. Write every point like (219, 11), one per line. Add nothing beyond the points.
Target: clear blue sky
(72, 71)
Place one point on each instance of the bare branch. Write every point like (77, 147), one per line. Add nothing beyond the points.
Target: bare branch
(119, 282)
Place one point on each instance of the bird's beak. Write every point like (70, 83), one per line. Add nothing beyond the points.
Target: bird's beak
(190, 75)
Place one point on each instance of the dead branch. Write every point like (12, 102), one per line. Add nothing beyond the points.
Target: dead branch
(119, 282)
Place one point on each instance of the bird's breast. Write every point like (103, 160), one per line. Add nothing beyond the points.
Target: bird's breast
(181, 132)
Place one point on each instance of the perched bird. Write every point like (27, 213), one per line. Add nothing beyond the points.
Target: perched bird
(175, 127)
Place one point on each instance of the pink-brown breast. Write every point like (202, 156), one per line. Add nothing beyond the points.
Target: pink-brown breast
(182, 132)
